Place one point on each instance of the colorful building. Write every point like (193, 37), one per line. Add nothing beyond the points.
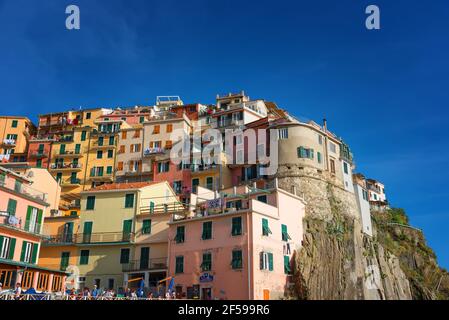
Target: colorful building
(14, 135)
(22, 210)
(236, 244)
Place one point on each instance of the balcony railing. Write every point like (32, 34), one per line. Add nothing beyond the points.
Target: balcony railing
(70, 182)
(89, 238)
(62, 166)
(70, 153)
(226, 123)
(201, 167)
(153, 151)
(9, 142)
(19, 224)
(25, 190)
(39, 154)
(174, 207)
(4, 157)
(145, 264)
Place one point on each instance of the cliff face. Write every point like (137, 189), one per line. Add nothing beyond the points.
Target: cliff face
(337, 261)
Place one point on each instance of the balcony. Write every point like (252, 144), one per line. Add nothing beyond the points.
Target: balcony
(25, 190)
(70, 154)
(9, 143)
(153, 151)
(97, 145)
(150, 264)
(89, 238)
(171, 208)
(70, 183)
(66, 167)
(101, 177)
(4, 157)
(203, 168)
(12, 222)
(226, 123)
(38, 154)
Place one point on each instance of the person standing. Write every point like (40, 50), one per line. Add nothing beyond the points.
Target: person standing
(95, 292)
(17, 290)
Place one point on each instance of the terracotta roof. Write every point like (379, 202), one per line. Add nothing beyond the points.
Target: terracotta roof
(122, 186)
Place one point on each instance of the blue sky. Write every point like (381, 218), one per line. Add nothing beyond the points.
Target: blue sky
(385, 92)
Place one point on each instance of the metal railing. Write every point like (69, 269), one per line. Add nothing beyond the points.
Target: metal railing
(174, 207)
(89, 238)
(149, 264)
(39, 154)
(56, 166)
(9, 142)
(18, 224)
(25, 190)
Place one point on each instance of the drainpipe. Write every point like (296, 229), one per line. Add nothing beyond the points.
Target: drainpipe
(248, 254)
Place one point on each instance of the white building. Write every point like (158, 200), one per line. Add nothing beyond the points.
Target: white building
(361, 195)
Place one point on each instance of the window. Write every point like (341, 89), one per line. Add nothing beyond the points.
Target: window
(168, 144)
(262, 198)
(29, 252)
(127, 227)
(195, 184)
(206, 265)
(332, 147)
(65, 256)
(283, 134)
(124, 255)
(120, 166)
(90, 204)
(207, 230)
(146, 226)
(237, 262)
(110, 154)
(210, 183)
(163, 166)
(156, 129)
(111, 283)
(177, 187)
(141, 119)
(14, 124)
(305, 153)
(332, 165)
(320, 139)
(33, 220)
(7, 247)
(109, 170)
(236, 226)
(169, 128)
(345, 168)
(84, 257)
(318, 156)
(265, 229)
(180, 234)
(12, 205)
(179, 268)
(100, 141)
(285, 235)
(83, 135)
(87, 231)
(287, 269)
(88, 115)
(39, 163)
(99, 154)
(129, 200)
(266, 261)
(111, 140)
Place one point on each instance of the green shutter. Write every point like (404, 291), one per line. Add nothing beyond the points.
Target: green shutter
(22, 254)
(78, 149)
(111, 140)
(12, 204)
(38, 226)
(65, 256)
(109, 170)
(84, 257)
(87, 231)
(207, 230)
(129, 200)
(27, 221)
(287, 269)
(261, 260)
(318, 155)
(236, 259)
(124, 256)
(236, 226)
(90, 205)
(206, 265)
(34, 253)
(180, 232)
(1, 242)
(83, 136)
(179, 265)
(62, 149)
(127, 226)
(12, 248)
(285, 235)
(100, 141)
(265, 229)
(270, 261)
(146, 227)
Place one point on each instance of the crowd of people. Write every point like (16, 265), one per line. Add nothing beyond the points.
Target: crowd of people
(87, 294)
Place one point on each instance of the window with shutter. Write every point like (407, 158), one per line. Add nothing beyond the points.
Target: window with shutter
(12, 205)
(180, 234)
(84, 257)
(236, 226)
(265, 228)
(206, 265)
(207, 230)
(285, 235)
(129, 200)
(146, 226)
(236, 262)
(179, 267)
(90, 204)
(287, 269)
(124, 256)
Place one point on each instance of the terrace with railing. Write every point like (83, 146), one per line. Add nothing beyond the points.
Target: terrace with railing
(9, 142)
(66, 166)
(89, 238)
(22, 189)
(12, 222)
(146, 264)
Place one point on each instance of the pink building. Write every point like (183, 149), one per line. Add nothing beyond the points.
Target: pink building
(236, 244)
(22, 210)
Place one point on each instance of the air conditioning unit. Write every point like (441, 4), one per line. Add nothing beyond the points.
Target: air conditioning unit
(55, 213)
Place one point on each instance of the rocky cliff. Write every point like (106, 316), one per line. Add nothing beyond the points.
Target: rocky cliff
(337, 261)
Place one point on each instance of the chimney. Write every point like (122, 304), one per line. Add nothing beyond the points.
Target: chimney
(325, 125)
(235, 190)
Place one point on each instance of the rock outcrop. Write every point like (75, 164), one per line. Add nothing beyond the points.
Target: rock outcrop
(338, 261)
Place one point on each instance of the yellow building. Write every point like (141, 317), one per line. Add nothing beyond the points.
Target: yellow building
(14, 135)
(123, 233)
